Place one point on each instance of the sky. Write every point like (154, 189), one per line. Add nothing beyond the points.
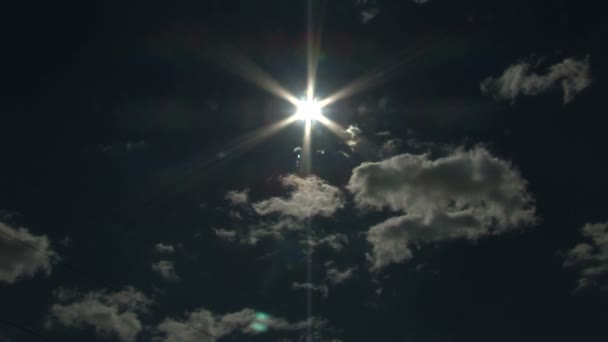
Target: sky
(159, 183)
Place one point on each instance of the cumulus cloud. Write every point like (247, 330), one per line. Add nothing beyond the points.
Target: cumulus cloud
(322, 289)
(309, 197)
(355, 136)
(241, 322)
(18, 260)
(166, 270)
(591, 256)
(109, 313)
(235, 197)
(466, 194)
(335, 276)
(572, 75)
(162, 248)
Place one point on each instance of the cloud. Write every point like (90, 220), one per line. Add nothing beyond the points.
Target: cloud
(322, 289)
(466, 194)
(225, 234)
(389, 148)
(162, 248)
(571, 74)
(109, 313)
(355, 136)
(237, 198)
(591, 256)
(368, 9)
(166, 270)
(336, 276)
(244, 322)
(309, 197)
(420, 2)
(17, 260)
(335, 241)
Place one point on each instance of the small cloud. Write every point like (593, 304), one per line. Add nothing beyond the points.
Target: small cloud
(390, 148)
(322, 289)
(368, 10)
(17, 259)
(573, 76)
(309, 197)
(336, 276)
(225, 234)
(163, 248)
(591, 256)
(166, 270)
(236, 198)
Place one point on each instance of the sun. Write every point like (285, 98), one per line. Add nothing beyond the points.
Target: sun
(308, 110)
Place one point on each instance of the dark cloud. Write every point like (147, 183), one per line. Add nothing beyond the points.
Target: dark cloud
(592, 256)
(18, 260)
(572, 75)
(109, 313)
(468, 193)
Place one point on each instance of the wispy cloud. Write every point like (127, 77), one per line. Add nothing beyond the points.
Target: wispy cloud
(592, 256)
(109, 313)
(572, 75)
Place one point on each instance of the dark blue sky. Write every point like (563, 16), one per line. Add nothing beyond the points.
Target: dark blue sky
(465, 202)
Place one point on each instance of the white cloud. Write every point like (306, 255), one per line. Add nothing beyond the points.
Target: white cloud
(162, 248)
(591, 256)
(355, 136)
(109, 313)
(235, 197)
(309, 197)
(166, 270)
(17, 260)
(466, 194)
(571, 74)
(336, 276)
(322, 289)
(223, 325)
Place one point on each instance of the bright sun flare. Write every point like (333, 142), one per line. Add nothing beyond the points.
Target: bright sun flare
(308, 110)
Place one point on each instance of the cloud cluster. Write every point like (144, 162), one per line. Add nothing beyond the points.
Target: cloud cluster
(466, 194)
(241, 322)
(309, 197)
(109, 313)
(591, 256)
(572, 75)
(17, 259)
